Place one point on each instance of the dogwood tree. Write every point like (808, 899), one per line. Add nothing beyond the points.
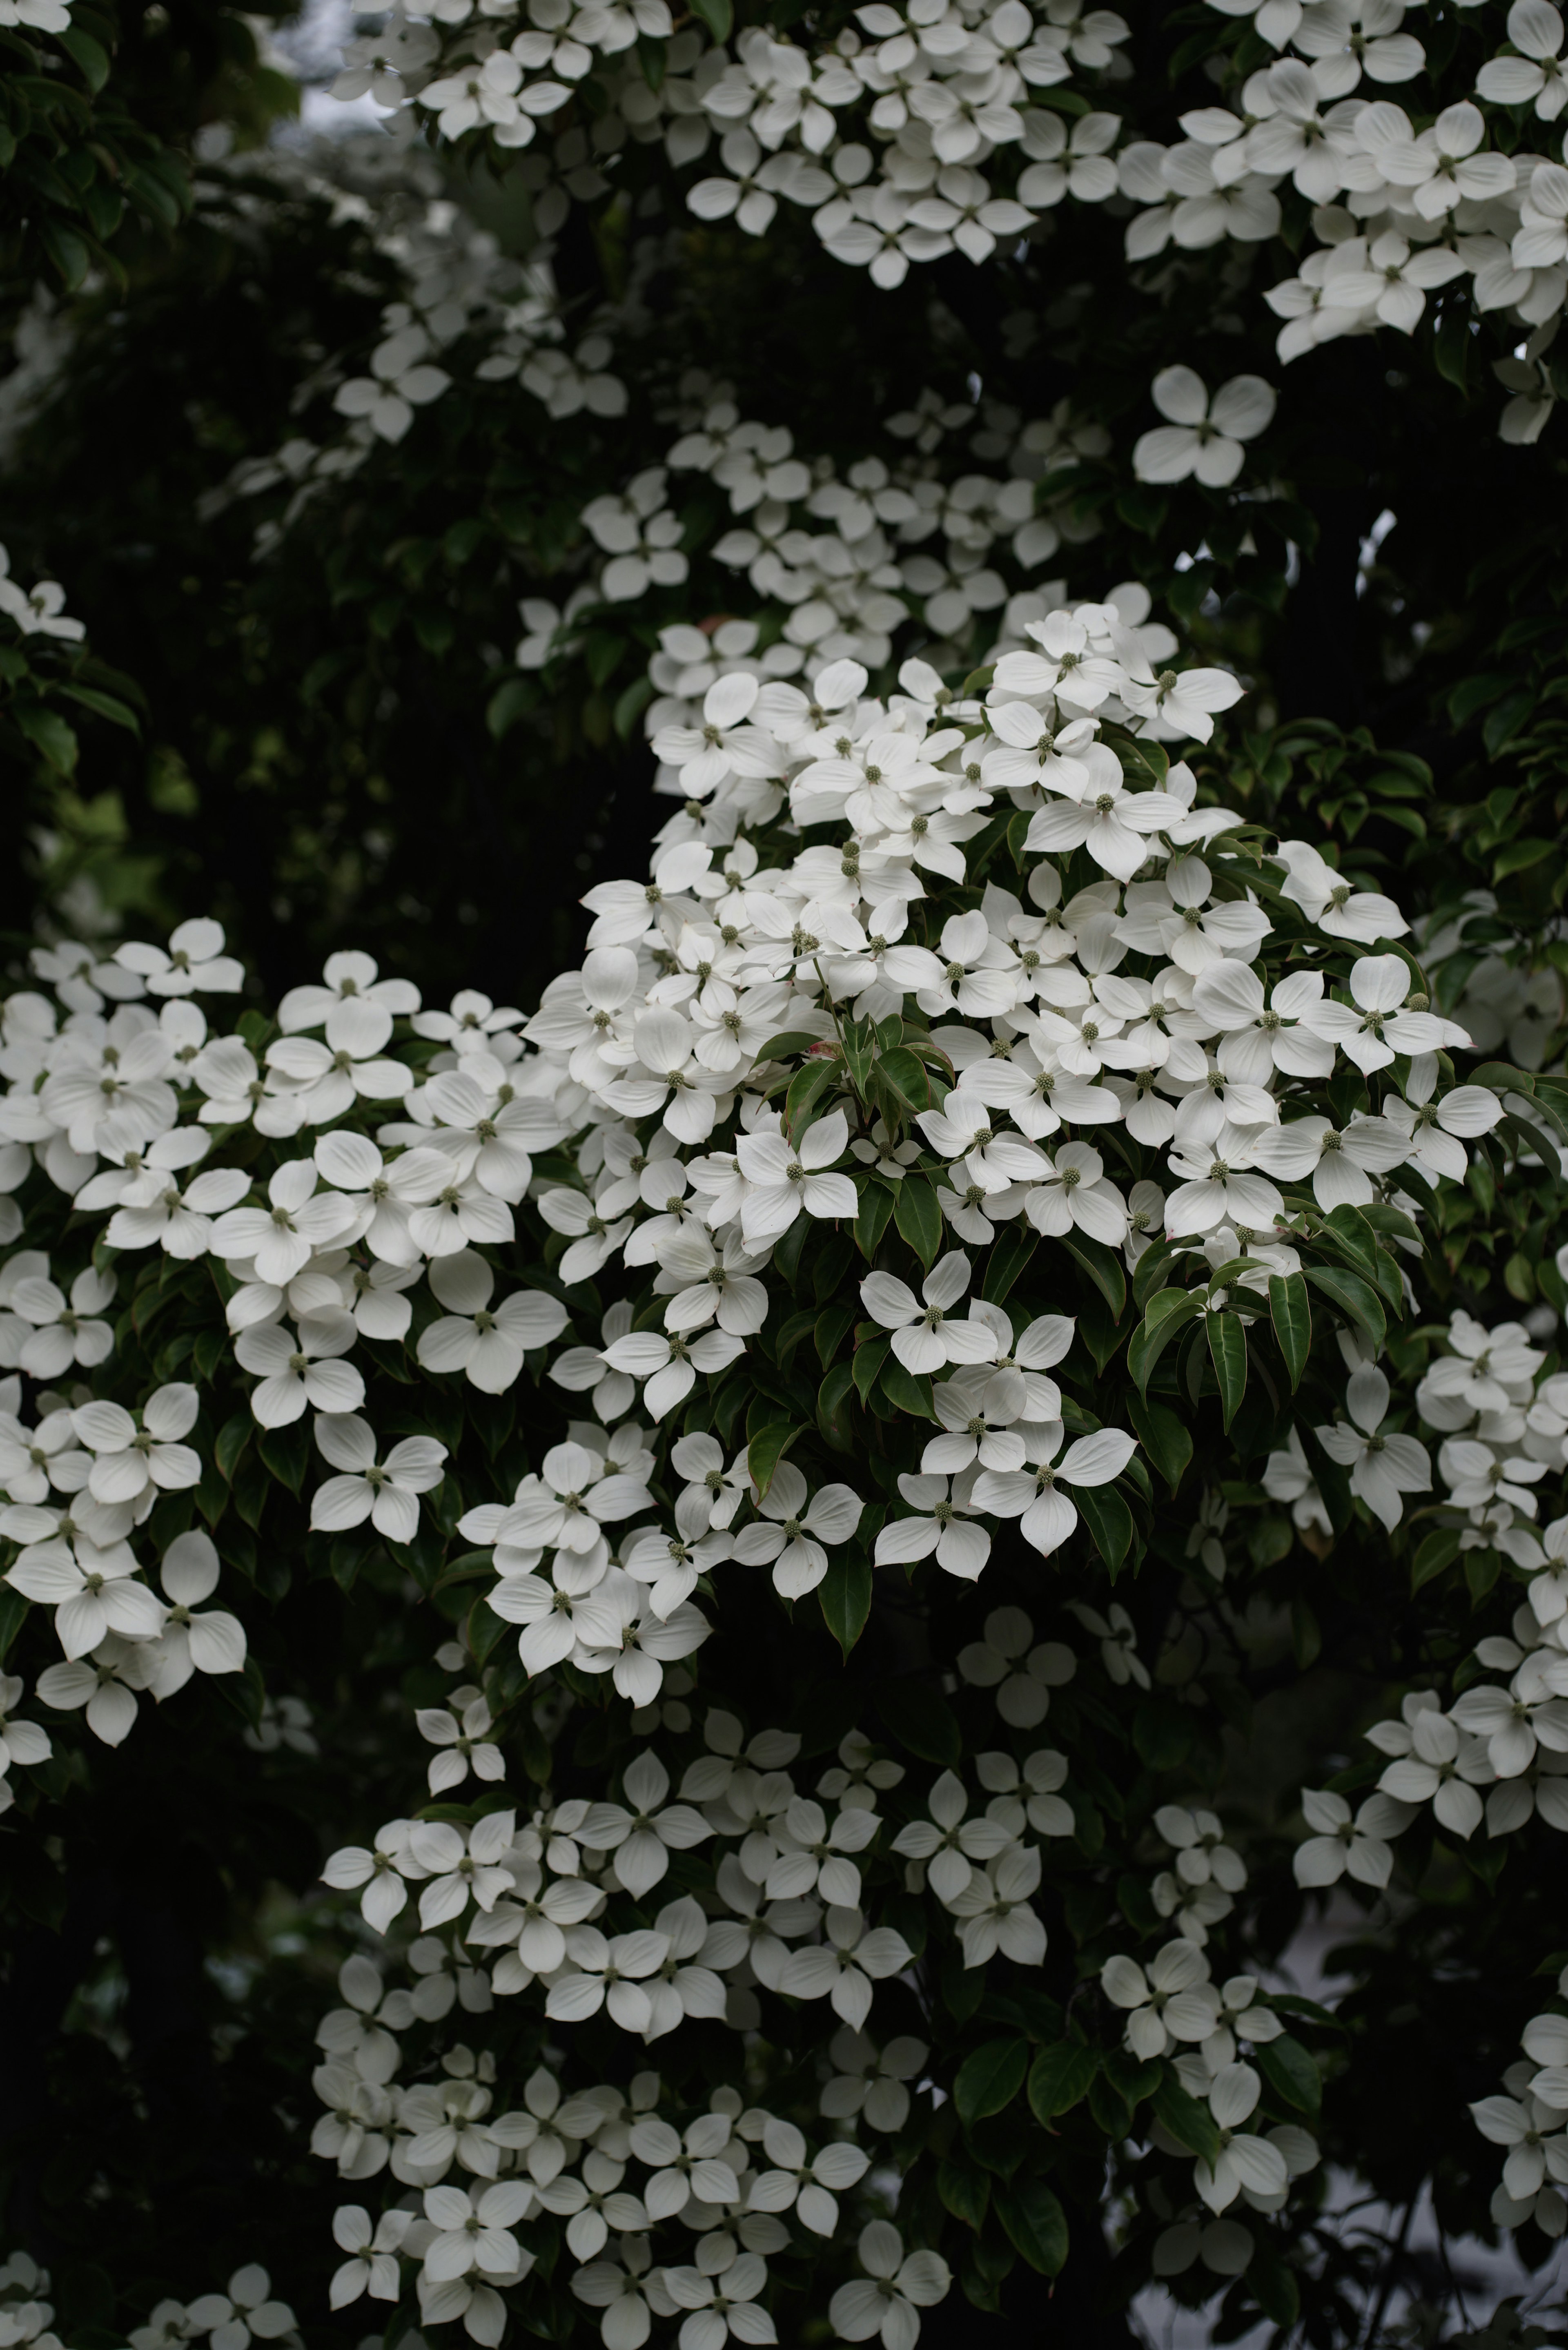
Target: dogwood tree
(782, 1436)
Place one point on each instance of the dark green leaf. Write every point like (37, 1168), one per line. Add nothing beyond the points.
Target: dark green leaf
(1060, 2076)
(1289, 1311)
(905, 1072)
(717, 15)
(875, 1208)
(845, 1595)
(1227, 1350)
(1103, 1267)
(805, 1087)
(990, 2078)
(1354, 1298)
(1110, 1521)
(1035, 2224)
(1010, 1253)
(1168, 1311)
(905, 1391)
(1289, 2070)
(1192, 2124)
(921, 1720)
(1164, 1436)
(918, 1217)
(767, 1448)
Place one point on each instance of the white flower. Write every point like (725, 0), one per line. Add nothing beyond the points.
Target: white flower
(129, 1461)
(1535, 75)
(948, 1843)
(279, 1239)
(1022, 1674)
(872, 2084)
(924, 1337)
(106, 1684)
(1383, 1469)
(1173, 2000)
(193, 964)
(644, 1830)
(401, 379)
(961, 1548)
(293, 1373)
(1204, 436)
(20, 1742)
(723, 2304)
(388, 1494)
(475, 2232)
(845, 1968)
(487, 1347)
(381, 1869)
(785, 1181)
(1360, 1846)
(63, 1334)
(883, 2304)
(212, 1643)
(245, 2312)
(372, 2265)
(790, 1536)
(1046, 1514)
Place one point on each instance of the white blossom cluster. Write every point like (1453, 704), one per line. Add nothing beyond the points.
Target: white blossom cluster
(1530, 2119)
(727, 2174)
(847, 562)
(1174, 2005)
(687, 980)
(889, 138)
(946, 128)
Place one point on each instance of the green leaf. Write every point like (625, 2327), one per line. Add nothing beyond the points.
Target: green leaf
(767, 1448)
(832, 1411)
(1164, 1437)
(1168, 1311)
(486, 1630)
(921, 1721)
(1103, 1267)
(1439, 1549)
(67, 252)
(1192, 2124)
(506, 706)
(875, 1208)
(118, 712)
(717, 15)
(1354, 1297)
(1110, 1521)
(805, 1087)
(1010, 1253)
(1519, 856)
(965, 2190)
(990, 2078)
(232, 1438)
(1036, 2223)
(788, 1041)
(1060, 2077)
(845, 1595)
(1227, 1350)
(1289, 1311)
(905, 1072)
(866, 1361)
(918, 1217)
(13, 1615)
(85, 53)
(1289, 2070)
(49, 732)
(906, 1391)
